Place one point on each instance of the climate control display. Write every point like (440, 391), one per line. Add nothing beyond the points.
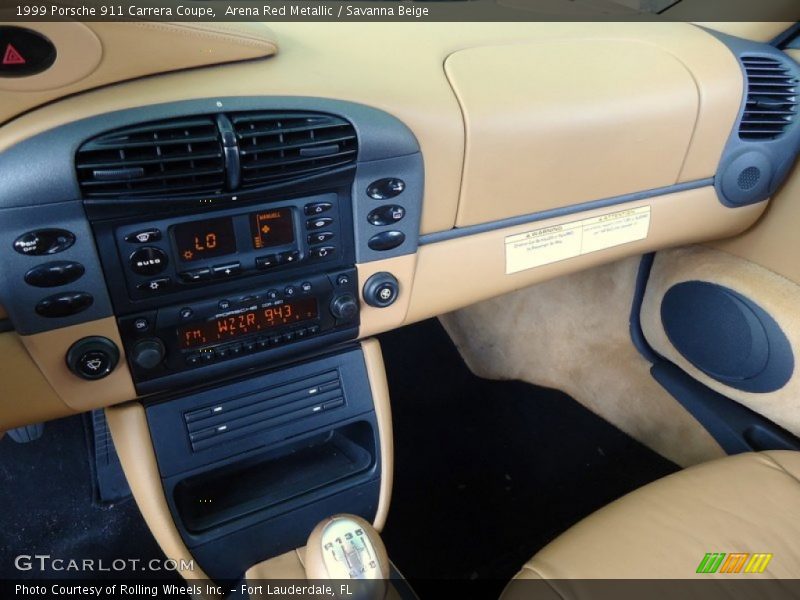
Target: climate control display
(198, 240)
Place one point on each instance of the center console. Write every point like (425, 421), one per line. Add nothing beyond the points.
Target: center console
(249, 468)
(236, 287)
(215, 258)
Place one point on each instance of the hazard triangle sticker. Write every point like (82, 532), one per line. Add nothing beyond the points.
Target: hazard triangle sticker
(12, 56)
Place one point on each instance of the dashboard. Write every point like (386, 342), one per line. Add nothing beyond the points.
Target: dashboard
(218, 241)
(219, 219)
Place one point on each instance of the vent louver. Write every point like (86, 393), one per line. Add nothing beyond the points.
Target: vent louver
(771, 104)
(278, 147)
(167, 158)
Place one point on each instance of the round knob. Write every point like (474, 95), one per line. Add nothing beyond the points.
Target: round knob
(148, 260)
(344, 307)
(148, 353)
(381, 290)
(92, 357)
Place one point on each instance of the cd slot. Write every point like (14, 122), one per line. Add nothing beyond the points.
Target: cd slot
(256, 413)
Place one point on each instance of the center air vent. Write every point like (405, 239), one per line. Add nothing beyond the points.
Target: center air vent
(174, 158)
(212, 154)
(771, 104)
(276, 147)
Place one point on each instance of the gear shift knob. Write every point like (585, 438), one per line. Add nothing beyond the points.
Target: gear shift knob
(346, 547)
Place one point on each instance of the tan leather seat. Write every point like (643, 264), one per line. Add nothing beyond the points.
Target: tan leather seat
(749, 503)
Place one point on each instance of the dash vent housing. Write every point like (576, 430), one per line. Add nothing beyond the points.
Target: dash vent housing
(277, 147)
(214, 154)
(771, 104)
(165, 158)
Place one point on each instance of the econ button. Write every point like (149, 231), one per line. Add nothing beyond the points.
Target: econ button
(24, 52)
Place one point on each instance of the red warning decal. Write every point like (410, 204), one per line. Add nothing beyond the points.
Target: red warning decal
(12, 56)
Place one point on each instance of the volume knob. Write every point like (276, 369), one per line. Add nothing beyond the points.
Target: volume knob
(148, 353)
(344, 307)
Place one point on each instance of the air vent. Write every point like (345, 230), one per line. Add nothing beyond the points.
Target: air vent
(278, 147)
(167, 158)
(771, 99)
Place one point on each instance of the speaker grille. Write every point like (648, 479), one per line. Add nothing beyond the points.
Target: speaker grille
(748, 179)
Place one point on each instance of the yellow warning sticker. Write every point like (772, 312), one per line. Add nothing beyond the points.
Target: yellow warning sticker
(559, 242)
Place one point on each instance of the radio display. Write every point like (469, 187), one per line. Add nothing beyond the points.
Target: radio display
(231, 327)
(272, 227)
(198, 240)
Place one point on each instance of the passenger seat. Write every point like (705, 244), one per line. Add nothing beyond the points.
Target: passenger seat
(748, 504)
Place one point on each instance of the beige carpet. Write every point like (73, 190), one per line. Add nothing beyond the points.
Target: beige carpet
(572, 334)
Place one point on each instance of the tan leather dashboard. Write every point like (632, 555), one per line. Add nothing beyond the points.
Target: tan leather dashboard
(600, 110)
(403, 74)
(624, 114)
(101, 53)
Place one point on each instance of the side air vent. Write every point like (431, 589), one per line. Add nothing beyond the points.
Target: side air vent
(167, 158)
(771, 104)
(276, 147)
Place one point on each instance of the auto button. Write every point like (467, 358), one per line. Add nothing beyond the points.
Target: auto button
(148, 260)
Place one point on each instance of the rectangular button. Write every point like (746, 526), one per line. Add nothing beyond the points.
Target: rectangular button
(333, 404)
(228, 270)
(317, 208)
(143, 237)
(267, 262)
(320, 237)
(321, 252)
(195, 276)
(154, 286)
(327, 387)
(320, 223)
(291, 256)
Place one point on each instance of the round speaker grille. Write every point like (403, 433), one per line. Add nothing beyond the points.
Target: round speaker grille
(748, 179)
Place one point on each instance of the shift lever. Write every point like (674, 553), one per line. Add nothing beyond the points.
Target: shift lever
(347, 547)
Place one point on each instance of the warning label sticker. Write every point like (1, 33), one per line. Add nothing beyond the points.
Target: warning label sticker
(559, 242)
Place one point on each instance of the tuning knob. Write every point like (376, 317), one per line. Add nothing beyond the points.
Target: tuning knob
(148, 354)
(344, 307)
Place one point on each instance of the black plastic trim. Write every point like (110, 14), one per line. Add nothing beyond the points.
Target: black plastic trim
(772, 157)
(736, 428)
(449, 234)
(786, 36)
(635, 321)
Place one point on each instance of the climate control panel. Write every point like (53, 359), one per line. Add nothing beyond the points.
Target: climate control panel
(164, 257)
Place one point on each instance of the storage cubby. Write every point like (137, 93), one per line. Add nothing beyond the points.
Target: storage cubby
(324, 463)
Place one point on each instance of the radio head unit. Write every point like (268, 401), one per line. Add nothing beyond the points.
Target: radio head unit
(166, 346)
(229, 289)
